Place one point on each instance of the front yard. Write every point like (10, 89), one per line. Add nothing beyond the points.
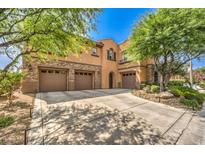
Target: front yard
(178, 94)
(15, 118)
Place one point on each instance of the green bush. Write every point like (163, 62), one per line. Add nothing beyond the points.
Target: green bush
(142, 85)
(176, 83)
(187, 93)
(6, 121)
(9, 82)
(190, 103)
(147, 88)
(202, 84)
(154, 88)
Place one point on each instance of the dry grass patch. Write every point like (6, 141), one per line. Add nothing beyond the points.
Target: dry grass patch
(15, 118)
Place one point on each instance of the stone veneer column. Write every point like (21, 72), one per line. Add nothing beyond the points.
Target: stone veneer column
(97, 80)
(71, 79)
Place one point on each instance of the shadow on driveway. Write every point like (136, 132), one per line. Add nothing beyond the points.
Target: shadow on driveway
(66, 96)
(87, 124)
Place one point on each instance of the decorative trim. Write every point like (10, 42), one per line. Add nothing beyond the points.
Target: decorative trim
(95, 55)
(132, 67)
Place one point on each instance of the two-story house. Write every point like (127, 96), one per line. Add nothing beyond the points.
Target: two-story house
(105, 66)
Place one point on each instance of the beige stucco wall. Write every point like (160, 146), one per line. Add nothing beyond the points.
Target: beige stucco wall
(109, 65)
(99, 65)
(86, 57)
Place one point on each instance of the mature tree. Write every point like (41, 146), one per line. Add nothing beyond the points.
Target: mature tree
(42, 31)
(171, 37)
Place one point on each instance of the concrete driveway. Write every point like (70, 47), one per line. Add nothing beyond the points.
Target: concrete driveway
(86, 117)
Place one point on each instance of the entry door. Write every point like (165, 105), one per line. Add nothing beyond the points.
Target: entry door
(83, 80)
(52, 80)
(129, 80)
(110, 80)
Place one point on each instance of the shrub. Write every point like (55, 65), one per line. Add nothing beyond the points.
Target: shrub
(176, 83)
(6, 121)
(9, 82)
(154, 88)
(190, 103)
(147, 88)
(188, 93)
(142, 85)
(202, 84)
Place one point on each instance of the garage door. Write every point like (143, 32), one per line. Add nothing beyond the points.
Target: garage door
(52, 80)
(129, 80)
(83, 80)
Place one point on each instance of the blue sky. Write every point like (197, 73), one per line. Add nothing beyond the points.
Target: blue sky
(116, 24)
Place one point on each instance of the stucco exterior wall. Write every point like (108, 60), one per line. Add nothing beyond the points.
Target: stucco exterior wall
(99, 65)
(86, 57)
(31, 82)
(109, 65)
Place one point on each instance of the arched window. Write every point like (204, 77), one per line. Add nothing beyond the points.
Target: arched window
(111, 55)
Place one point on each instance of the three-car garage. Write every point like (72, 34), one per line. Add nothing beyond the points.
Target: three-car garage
(54, 79)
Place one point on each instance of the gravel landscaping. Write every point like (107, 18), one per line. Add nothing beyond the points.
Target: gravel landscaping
(15, 118)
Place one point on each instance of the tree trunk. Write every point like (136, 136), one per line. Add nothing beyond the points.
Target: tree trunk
(190, 74)
(162, 86)
(164, 79)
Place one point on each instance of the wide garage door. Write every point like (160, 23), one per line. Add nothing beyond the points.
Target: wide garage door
(83, 80)
(52, 80)
(129, 80)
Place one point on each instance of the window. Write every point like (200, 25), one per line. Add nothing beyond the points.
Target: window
(94, 51)
(111, 55)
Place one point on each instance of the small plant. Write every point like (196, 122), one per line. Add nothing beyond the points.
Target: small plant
(188, 93)
(202, 84)
(2, 142)
(6, 121)
(154, 88)
(176, 83)
(10, 81)
(190, 103)
(147, 88)
(142, 85)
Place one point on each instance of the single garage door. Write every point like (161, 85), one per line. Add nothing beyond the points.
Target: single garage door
(83, 80)
(129, 80)
(52, 80)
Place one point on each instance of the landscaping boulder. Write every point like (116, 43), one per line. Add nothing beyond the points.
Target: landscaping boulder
(166, 95)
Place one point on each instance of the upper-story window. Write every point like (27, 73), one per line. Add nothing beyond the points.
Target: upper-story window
(125, 56)
(111, 55)
(94, 51)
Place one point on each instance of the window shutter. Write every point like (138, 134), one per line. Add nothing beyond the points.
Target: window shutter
(114, 55)
(108, 54)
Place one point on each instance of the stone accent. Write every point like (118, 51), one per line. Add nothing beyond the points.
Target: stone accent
(31, 82)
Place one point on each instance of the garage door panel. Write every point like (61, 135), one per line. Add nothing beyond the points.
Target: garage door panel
(129, 80)
(83, 80)
(52, 80)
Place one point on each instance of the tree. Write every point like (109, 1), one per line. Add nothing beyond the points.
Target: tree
(58, 32)
(10, 83)
(171, 37)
